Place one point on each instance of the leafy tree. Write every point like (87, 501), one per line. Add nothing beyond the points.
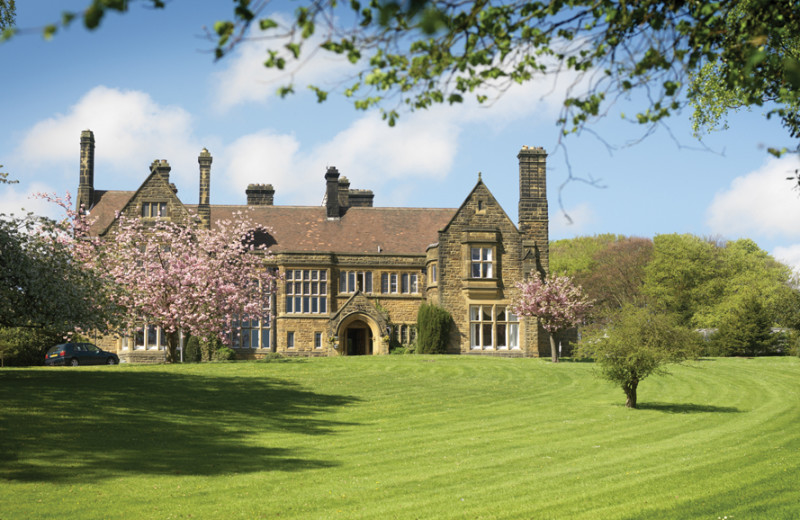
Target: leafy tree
(41, 287)
(685, 276)
(575, 256)
(638, 342)
(713, 97)
(748, 330)
(21, 346)
(617, 274)
(704, 282)
(557, 303)
(433, 329)
(424, 52)
(8, 14)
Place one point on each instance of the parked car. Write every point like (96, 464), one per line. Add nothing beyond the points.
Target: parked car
(79, 354)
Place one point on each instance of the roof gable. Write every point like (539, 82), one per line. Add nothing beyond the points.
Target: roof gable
(155, 188)
(479, 201)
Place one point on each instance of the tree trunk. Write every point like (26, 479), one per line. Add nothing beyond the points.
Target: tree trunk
(553, 348)
(630, 393)
(172, 344)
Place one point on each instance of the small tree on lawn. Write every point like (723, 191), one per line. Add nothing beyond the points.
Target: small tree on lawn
(638, 342)
(557, 303)
(178, 275)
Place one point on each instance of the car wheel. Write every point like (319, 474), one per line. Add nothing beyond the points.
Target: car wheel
(74, 362)
(111, 361)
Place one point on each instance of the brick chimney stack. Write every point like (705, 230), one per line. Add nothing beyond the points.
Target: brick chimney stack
(533, 215)
(86, 181)
(332, 193)
(203, 207)
(260, 194)
(161, 167)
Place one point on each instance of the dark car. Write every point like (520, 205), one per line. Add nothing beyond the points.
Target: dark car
(79, 354)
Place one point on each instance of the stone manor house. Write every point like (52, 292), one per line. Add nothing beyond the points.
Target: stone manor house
(353, 274)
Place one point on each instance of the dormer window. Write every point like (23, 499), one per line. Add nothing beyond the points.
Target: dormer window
(481, 262)
(154, 209)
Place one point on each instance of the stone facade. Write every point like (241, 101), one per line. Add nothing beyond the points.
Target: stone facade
(353, 275)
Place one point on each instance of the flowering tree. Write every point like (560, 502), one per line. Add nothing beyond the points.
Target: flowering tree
(178, 275)
(556, 302)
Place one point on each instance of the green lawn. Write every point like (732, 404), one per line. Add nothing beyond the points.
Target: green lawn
(400, 437)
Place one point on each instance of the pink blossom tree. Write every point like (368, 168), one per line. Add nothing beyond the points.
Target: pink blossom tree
(556, 301)
(179, 275)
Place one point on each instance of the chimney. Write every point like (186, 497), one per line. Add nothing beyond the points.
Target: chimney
(203, 207)
(161, 167)
(361, 198)
(533, 217)
(86, 180)
(260, 194)
(332, 193)
(344, 192)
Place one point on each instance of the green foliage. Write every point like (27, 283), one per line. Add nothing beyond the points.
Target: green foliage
(8, 15)
(425, 52)
(704, 282)
(41, 285)
(433, 329)
(274, 357)
(747, 331)
(575, 256)
(25, 346)
(210, 347)
(193, 352)
(637, 343)
(770, 73)
(224, 354)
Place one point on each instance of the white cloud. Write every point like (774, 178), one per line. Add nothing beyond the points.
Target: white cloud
(246, 79)
(261, 158)
(130, 130)
(789, 255)
(571, 222)
(759, 203)
(18, 200)
(368, 153)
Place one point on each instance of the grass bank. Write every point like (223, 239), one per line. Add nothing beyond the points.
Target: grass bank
(400, 437)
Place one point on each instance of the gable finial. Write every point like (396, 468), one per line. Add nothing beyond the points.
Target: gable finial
(479, 176)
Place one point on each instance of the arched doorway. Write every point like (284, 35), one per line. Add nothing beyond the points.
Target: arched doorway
(358, 339)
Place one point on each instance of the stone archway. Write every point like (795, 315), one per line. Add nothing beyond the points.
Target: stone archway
(356, 338)
(360, 328)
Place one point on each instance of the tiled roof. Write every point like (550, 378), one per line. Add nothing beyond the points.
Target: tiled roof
(105, 205)
(359, 230)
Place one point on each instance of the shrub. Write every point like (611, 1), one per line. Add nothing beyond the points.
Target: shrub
(433, 329)
(224, 354)
(26, 347)
(210, 348)
(193, 353)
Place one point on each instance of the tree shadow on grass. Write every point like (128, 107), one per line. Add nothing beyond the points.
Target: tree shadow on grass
(687, 408)
(82, 425)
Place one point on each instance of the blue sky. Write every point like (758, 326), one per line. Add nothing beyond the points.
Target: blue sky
(148, 87)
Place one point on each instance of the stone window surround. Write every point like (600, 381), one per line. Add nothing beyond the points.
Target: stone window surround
(478, 327)
(399, 283)
(154, 209)
(351, 280)
(312, 297)
(148, 332)
(261, 328)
